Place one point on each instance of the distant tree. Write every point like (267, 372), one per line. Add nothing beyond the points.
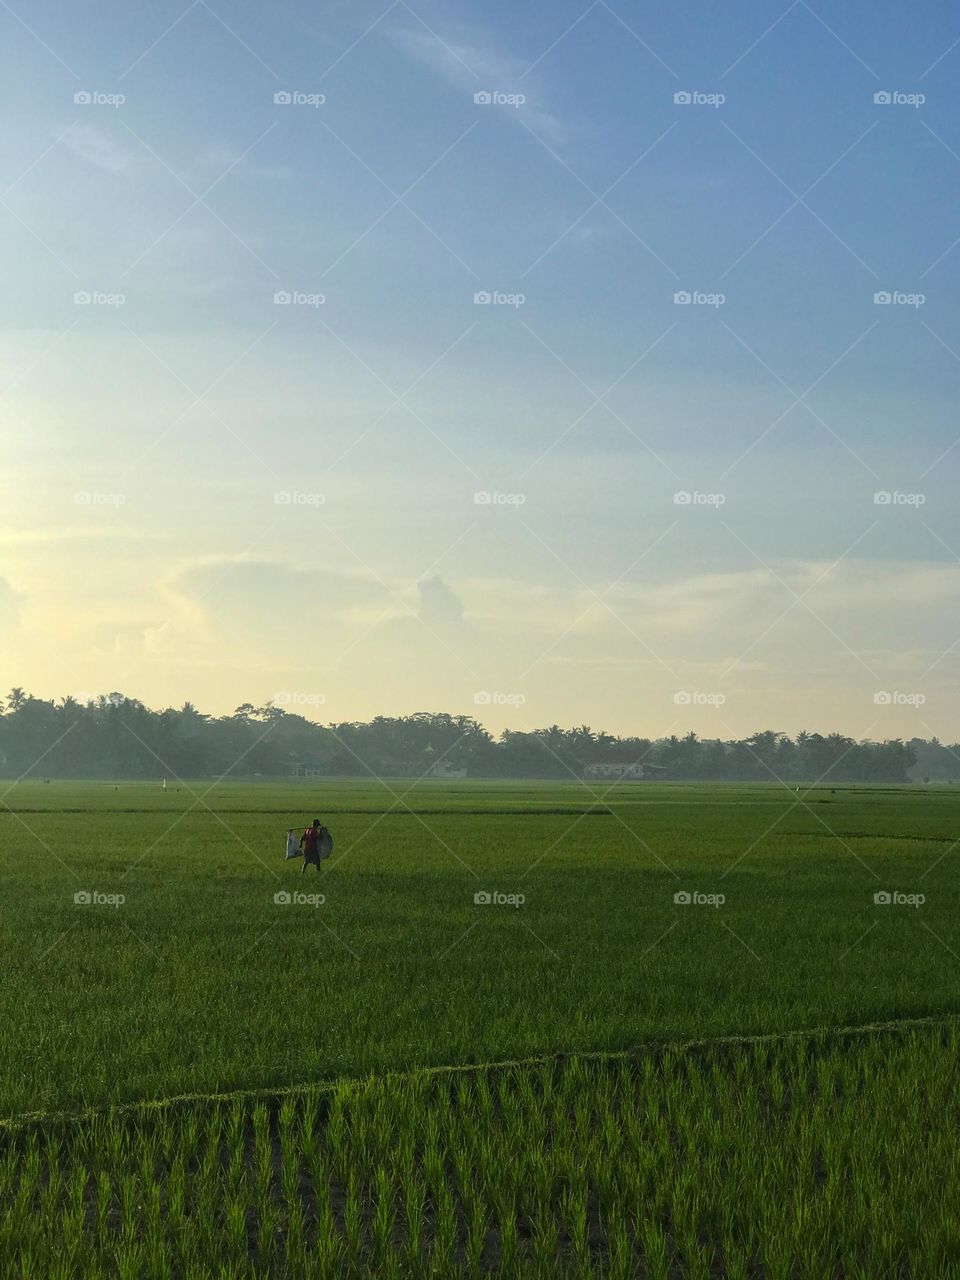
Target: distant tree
(117, 736)
(16, 699)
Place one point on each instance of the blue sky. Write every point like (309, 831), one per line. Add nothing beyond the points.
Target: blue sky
(783, 198)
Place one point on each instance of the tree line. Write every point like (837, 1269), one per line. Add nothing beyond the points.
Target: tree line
(113, 736)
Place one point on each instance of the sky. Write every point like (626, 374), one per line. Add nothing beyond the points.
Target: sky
(577, 363)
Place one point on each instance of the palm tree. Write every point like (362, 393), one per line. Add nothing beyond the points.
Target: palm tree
(16, 699)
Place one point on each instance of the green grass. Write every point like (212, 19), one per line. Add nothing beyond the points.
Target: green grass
(201, 1082)
(806, 1157)
(200, 982)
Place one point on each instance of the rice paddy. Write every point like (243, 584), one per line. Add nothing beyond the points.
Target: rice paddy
(599, 1067)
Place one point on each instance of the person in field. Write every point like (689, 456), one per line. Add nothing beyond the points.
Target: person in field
(316, 843)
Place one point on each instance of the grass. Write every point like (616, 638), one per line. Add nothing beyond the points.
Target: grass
(787, 1158)
(199, 981)
(322, 1134)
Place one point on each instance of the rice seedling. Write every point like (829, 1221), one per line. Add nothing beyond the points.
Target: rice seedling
(803, 1154)
(406, 970)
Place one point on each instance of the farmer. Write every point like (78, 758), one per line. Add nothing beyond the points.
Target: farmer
(310, 844)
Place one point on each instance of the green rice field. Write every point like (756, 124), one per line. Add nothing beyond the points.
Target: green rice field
(508, 1029)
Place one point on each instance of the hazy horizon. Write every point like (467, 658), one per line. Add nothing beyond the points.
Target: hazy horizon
(638, 380)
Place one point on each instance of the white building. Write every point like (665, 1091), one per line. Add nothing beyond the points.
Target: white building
(444, 770)
(627, 772)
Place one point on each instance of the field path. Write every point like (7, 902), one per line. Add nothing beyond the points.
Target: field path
(653, 1046)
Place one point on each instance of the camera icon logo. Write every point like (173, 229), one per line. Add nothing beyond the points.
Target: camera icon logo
(682, 898)
(682, 698)
(682, 98)
(681, 298)
(82, 898)
(882, 98)
(482, 898)
(81, 299)
(282, 298)
(482, 299)
(82, 98)
(882, 898)
(882, 698)
(483, 98)
(282, 898)
(882, 298)
(283, 98)
(482, 698)
(683, 498)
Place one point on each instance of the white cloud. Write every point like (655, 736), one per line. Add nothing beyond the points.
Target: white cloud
(469, 66)
(9, 605)
(439, 603)
(98, 148)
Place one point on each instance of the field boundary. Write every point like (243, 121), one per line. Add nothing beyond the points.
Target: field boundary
(653, 1046)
